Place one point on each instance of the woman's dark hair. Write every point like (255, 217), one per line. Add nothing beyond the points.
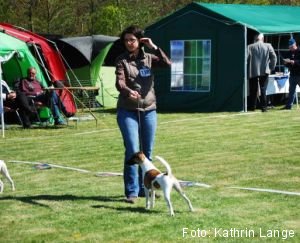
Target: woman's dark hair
(133, 29)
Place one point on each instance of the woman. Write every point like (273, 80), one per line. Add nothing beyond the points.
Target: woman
(136, 107)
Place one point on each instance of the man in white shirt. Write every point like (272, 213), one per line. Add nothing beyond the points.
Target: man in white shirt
(12, 101)
(8, 96)
(3, 59)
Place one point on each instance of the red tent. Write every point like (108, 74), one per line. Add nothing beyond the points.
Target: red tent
(48, 57)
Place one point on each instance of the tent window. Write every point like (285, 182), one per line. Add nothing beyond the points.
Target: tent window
(191, 65)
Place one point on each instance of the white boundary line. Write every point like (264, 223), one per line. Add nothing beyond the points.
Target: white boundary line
(265, 190)
(208, 117)
(52, 165)
(96, 131)
(184, 183)
(167, 122)
(102, 173)
(193, 183)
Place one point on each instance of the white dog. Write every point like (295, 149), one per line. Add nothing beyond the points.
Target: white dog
(155, 179)
(4, 171)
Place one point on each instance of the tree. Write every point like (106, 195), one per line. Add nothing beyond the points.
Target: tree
(109, 20)
(86, 17)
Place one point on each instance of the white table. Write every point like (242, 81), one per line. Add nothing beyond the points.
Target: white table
(279, 84)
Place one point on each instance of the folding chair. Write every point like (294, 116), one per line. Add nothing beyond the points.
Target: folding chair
(43, 112)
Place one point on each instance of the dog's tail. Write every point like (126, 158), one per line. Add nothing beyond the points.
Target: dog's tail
(166, 164)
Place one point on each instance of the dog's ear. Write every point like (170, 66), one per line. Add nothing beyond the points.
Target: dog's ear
(132, 160)
(140, 156)
(136, 158)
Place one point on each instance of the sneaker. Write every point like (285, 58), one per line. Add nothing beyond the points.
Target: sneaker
(131, 200)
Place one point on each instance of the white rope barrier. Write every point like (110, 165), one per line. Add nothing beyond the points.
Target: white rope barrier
(182, 182)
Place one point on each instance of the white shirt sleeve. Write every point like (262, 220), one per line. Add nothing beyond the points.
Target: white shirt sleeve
(6, 86)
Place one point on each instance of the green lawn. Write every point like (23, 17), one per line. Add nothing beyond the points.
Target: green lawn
(223, 150)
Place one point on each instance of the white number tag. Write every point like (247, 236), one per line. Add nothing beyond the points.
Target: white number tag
(145, 72)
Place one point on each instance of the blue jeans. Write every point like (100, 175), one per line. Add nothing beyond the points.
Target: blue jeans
(293, 80)
(56, 105)
(132, 133)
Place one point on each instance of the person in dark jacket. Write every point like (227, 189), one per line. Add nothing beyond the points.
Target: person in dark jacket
(136, 106)
(293, 64)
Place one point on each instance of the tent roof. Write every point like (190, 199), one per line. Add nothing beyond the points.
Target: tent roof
(8, 43)
(53, 59)
(267, 19)
(89, 46)
(25, 59)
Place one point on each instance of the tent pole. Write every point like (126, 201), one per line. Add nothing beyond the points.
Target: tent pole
(102, 91)
(245, 69)
(1, 105)
(3, 59)
(42, 62)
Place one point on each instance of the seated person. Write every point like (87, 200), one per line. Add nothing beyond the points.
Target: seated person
(8, 96)
(33, 90)
(12, 101)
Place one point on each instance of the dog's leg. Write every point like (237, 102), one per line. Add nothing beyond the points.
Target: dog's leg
(11, 182)
(6, 174)
(167, 188)
(181, 192)
(152, 202)
(147, 198)
(1, 186)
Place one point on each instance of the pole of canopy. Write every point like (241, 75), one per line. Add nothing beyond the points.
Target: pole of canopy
(1, 105)
(245, 69)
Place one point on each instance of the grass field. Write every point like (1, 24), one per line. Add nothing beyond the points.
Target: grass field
(224, 150)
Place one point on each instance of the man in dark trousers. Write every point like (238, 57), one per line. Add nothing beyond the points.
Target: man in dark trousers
(32, 89)
(261, 61)
(13, 101)
(293, 64)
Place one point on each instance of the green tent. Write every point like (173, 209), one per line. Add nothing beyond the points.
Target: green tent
(267, 19)
(86, 57)
(17, 66)
(207, 44)
(104, 78)
(98, 75)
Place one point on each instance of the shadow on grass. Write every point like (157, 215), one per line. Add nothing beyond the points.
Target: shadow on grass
(34, 199)
(134, 209)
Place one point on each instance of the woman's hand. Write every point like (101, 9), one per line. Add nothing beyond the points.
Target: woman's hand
(134, 95)
(148, 42)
